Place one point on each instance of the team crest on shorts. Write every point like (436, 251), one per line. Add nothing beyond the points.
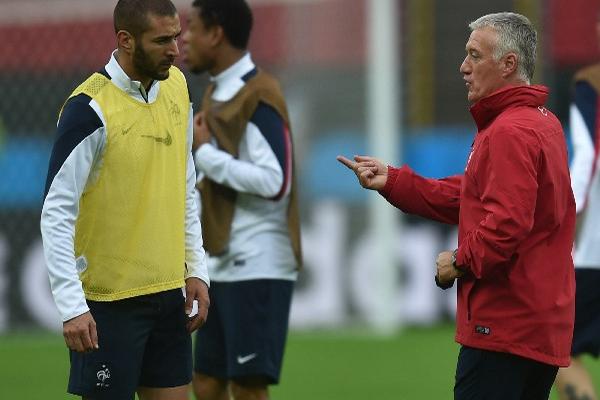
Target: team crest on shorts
(103, 376)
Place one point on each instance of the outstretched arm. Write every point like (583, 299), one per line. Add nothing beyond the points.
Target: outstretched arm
(436, 199)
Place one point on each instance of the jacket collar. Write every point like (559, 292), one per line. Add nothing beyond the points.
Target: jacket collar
(488, 108)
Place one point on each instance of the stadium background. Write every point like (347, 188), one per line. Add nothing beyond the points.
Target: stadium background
(318, 49)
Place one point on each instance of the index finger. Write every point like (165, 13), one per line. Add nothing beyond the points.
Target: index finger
(348, 163)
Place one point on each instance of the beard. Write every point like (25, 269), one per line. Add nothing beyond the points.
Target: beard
(145, 66)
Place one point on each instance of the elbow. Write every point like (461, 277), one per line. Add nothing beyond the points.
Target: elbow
(273, 191)
(275, 186)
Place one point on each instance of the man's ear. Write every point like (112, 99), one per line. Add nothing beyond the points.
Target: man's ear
(217, 35)
(125, 41)
(509, 64)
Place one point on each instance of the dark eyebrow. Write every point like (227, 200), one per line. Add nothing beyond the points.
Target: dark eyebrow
(166, 37)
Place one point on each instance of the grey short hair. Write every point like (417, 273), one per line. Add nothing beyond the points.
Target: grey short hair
(515, 34)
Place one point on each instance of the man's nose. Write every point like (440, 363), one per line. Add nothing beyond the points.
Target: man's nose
(174, 48)
(465, 68)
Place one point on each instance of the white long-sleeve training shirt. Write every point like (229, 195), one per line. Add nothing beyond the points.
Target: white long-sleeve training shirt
(585, 177)
(79, 164)
(259, 246)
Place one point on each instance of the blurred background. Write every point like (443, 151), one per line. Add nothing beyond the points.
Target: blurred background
(328, 59)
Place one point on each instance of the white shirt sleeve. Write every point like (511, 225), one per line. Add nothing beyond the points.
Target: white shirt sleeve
(260, 175)
(195, 256)
(59, 214)
(583, 157)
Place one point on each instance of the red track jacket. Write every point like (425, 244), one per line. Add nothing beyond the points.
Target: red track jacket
(516, 218)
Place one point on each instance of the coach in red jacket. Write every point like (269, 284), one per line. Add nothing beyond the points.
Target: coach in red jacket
(516, 216)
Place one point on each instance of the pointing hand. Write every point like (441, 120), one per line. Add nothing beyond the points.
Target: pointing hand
(371, 173)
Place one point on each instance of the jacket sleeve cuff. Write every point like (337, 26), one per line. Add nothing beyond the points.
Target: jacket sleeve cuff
(461, 261)
(77, 307)
(391, 180)
(199, 271)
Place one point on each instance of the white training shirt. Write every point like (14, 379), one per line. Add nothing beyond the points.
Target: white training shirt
(585, 177)
(259, 246)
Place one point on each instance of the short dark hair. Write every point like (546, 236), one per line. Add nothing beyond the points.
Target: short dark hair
(234, 16)
(132, 15)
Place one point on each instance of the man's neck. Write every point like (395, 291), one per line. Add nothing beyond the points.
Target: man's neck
(227, 58)
(127, 66)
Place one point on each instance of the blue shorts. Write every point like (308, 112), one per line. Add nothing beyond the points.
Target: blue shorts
(586, 335)
(245, 333)
(143, 342)
(490, 375)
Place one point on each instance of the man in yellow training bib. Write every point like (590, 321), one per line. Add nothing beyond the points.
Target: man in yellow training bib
(120, 220)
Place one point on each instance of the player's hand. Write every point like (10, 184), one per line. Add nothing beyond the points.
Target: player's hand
(371, 173)
(446, 272)
(80, 333)
(201, 133)
(196, 289)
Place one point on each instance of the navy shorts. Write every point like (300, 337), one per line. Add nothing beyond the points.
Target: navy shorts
(245, 333)
(490, 375)
(143, 342)
(586, 335)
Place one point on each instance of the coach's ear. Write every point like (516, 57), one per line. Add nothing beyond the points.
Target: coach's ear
(125, 41)
(509, 64)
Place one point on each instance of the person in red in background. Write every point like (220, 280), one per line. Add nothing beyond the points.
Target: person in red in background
(575, 382)
(516, 218)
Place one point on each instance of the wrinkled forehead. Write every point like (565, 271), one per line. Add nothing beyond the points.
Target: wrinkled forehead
(482, 39)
